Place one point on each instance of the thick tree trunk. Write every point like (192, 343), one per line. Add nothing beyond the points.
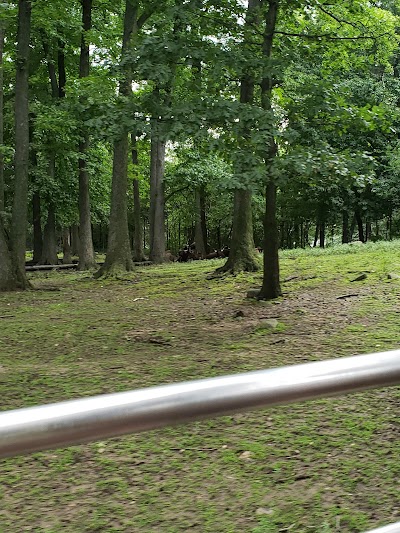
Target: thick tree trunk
(138, 254)
(20, 205)
(157, 199)
(200, 231)
(118, 257)
(86, 251)
(242, 255)
(66, 240)
(37, 228)
(2, 35)
(49, 254)
(271, 286)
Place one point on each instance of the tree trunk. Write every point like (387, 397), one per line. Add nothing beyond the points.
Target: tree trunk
(368, 230)
(118, 257)
(200, 231)
(322, 234)
(271, 286)
(75, 240)
(138, 254)
(345, 227)
(86, 251)
(157, 201)
(8, 280)
(20, 204)
(37, 228)
(242, 256)
(66, 240)
(2, 35)
(49, 254)
(360, 227)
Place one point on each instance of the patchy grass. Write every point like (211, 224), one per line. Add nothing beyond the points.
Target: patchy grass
(326, 466)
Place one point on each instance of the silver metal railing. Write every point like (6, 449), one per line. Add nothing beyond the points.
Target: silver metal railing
(98, 417)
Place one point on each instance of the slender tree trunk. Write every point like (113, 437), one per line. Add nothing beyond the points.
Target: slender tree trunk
(359, 225)
(316, 234)
(86, 251)
(75, 240)
(322, 234)
(20, 205)
(271, 286)
(200, 231)
(2, 35)
(37, 228)
(368, 231)
(49, 254)
(138, 254)
(345, 227)
(118, 258)
(157, 198)
(66, 240)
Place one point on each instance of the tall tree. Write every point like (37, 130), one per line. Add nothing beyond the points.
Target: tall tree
(2, 36)
(20, 204)
(270, 286)
(138, 254)
(86, 251)
(242, 255)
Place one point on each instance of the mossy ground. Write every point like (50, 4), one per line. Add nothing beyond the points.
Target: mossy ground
(322, 466)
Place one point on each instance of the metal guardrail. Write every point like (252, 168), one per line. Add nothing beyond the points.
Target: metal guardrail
(110, 415)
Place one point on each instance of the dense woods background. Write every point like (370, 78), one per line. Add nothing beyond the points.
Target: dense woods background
(133, 128)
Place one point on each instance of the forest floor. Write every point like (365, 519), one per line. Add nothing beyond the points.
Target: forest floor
(323, 466)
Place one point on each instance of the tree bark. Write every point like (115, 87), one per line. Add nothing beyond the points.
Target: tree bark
(2, 36)
(138, 254)
(322, 234)
(75, 240)
(200, 231)
(37, 228)
(66, 240)
(20, 204)
(8, 281)
(157, 198)
(49, 254)
(360, 227)
(242, 255)
(271, 285)
(345, 227)
(86, 250)
(118, 257)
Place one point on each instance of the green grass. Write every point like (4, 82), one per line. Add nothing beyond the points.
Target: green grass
(328, 465)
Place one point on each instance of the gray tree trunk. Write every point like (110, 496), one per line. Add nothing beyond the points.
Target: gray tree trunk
(37, 228)
(118, 257)
(49, 254)
(75, 240)
(242, 254)
(157, 201)
(66, 240)
(20, 204)
(138, 254)
(86, 251)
